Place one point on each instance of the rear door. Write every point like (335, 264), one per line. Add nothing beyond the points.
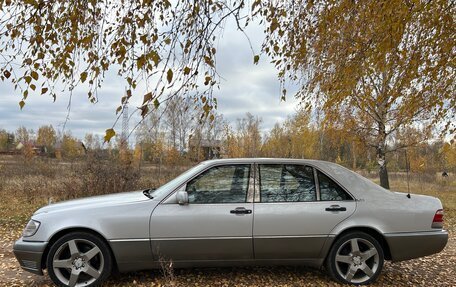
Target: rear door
(295, 210)
(216, 224)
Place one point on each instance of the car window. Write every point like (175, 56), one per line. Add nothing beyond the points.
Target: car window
(286, 183)
(220, 184)
(329, 190)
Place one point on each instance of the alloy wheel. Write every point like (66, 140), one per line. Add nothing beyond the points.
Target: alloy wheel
(357, 260)
(78, 262)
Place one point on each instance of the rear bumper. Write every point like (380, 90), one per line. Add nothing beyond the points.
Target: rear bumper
(404, 246)
(29, 254)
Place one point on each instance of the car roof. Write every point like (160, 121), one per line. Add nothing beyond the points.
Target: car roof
(266, 160)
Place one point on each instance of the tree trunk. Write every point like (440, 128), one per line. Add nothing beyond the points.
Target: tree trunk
(381, 160)
(383, 173)
(353, 156)
(382, 111)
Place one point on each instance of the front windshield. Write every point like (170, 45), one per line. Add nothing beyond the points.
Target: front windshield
(177, 181)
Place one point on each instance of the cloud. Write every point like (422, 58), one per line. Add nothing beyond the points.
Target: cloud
(244, 87)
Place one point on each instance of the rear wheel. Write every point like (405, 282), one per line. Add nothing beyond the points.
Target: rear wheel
(79, 259)
(355, 258)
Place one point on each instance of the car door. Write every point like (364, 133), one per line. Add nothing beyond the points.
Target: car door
(293, 213)
(216, 224)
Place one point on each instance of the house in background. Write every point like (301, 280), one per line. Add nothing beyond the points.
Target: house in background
(32, 148)
(200, 149)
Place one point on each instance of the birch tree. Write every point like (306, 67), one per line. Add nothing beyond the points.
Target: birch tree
(372, 66)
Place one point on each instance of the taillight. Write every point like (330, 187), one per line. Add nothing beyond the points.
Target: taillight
(437, 222)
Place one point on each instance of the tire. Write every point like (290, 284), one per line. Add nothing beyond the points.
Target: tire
(79, 259)
(355, 258)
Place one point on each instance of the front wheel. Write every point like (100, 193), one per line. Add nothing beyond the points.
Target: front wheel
(79, 259)
(355, 258)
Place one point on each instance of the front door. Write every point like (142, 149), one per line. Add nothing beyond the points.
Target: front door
(216, 224)
(295, 211)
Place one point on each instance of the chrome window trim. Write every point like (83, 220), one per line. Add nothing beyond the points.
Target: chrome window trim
(257, 184)
(317, 183)
(251, 185)
(257, 181)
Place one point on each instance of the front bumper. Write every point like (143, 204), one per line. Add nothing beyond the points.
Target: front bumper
(30, 254)
(405, 246)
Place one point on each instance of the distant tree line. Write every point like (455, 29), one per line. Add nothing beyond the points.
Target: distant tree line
(177, 134)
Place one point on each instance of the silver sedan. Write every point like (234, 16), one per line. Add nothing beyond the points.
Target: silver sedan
(236, 212)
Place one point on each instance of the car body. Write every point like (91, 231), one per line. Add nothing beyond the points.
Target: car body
(232, 212)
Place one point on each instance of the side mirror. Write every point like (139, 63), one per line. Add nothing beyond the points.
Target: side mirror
(182, 197)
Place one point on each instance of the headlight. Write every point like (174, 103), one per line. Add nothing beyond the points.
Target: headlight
(31, 228)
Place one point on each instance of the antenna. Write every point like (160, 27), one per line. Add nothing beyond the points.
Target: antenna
(407, 168)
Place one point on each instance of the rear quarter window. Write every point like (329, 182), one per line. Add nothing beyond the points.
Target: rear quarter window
(330, 190)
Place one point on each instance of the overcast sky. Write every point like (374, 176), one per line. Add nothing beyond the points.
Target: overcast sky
(244, 88)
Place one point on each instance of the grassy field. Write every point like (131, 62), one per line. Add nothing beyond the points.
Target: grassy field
(24, 187)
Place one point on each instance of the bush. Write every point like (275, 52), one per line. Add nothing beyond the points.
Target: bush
(95, 177)
(42, 179)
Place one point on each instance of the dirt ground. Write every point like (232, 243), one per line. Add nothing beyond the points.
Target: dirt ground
(436, 270)
(21, 193)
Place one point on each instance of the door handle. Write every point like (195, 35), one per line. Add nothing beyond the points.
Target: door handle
(241, 210)
(336, 208)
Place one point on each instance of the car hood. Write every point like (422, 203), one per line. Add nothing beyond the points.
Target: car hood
(95, 201)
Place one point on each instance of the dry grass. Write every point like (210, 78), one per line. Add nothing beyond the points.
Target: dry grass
(25, 186)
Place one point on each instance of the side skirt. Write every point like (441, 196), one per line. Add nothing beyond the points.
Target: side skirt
(136, 266)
